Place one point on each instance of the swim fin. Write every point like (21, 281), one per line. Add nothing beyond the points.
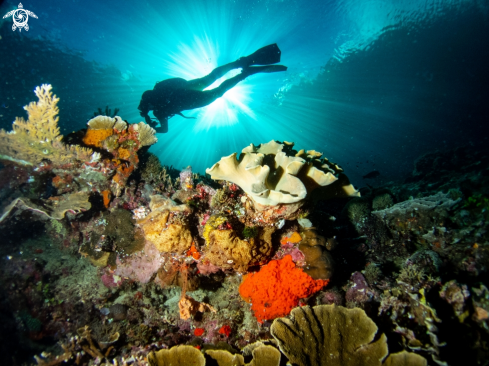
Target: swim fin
(267, 55)
(247, 71)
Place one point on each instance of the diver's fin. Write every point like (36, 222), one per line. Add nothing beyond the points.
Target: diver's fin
(181, 115)
(247, 71)
(267, 55)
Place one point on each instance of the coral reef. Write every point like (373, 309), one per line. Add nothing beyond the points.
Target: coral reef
(158, 258)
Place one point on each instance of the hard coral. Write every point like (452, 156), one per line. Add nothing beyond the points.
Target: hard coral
(277, 288)
(329, 335)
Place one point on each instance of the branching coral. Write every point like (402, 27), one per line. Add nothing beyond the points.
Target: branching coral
(39, 137)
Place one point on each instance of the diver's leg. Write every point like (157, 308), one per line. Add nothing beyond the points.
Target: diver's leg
(198, 99)
(267, 55)
(218, 72)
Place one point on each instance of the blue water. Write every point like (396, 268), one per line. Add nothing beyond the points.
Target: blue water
(371, 84)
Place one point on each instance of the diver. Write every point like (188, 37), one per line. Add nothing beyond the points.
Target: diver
(172, 96)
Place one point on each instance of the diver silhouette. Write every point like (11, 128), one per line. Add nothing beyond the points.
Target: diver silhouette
(172, 96)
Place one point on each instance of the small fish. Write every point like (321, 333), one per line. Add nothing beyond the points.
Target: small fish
(371, 175)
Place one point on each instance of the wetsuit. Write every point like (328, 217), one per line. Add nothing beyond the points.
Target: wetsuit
(172, 96)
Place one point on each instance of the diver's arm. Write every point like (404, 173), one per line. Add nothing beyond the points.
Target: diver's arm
(148, 119)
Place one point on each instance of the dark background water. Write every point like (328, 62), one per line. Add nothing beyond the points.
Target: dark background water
(372, 85)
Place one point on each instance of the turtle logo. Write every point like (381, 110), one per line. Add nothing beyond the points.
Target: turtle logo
(20, 17)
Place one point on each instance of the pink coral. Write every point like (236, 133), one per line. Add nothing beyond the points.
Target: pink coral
(292, 250)
(206, 268)
(140, 266)
(109, 281)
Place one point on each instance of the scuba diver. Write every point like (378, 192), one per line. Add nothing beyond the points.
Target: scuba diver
(172, 96)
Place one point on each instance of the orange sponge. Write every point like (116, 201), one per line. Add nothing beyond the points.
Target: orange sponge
(96, 137)
(277, 288)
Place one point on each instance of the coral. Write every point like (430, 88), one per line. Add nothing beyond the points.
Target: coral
(329, 335)
(358, 292)
(121, 232)
(132, 136)
(382, 201)
(277, 288)
(108, 112)
(140, 266)
(456, 295)
(405, 358)
(263, 355)
(319, 263)
(270, 176)
(189, 307)
(178, 355)
(227, 251)
(153, 173)
(122, 141)
(54, 208)
(186, 179)
(225, 358)
(438, 204)
(38, 138)
(357, 210)
(80, 349)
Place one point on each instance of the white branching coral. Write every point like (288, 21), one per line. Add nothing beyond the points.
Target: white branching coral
(39, 137)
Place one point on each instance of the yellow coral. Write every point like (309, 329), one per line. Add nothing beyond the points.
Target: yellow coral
(39, 137)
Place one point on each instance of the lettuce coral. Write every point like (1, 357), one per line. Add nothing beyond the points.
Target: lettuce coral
(277, 288)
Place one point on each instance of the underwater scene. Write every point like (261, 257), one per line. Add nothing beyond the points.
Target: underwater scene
(244, 182)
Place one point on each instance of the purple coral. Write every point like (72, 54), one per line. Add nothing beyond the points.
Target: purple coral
(359, 292)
